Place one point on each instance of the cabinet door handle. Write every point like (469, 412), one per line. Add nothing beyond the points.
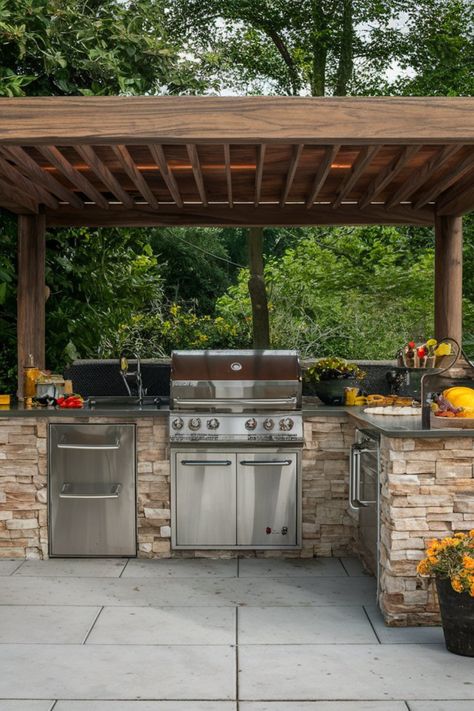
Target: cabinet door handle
(94, 447)
(265, 462)
(206, 462)
(70, 491)
(354, 478)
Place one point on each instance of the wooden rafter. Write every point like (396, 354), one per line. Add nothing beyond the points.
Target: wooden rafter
(197, 172)
(419, 177)
(385, 177)
(130, 168)
(56, 158)
(36, 192)
(322, 173)
(360, 164)
(10, 194)
(158, 155)
(108, 179)
(456, 173)
(290, 176)
(261, 149)
(39, 177)
(228, 174)
(456, 202)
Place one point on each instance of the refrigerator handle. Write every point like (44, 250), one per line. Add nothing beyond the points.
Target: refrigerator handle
(354, 478)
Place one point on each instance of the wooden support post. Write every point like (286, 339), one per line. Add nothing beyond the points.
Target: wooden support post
(257, 289)
(448, 277)
(31, 292)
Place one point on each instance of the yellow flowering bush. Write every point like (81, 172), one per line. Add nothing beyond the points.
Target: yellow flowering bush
(451, 558)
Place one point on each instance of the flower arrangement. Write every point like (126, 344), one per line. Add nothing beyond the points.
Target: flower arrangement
(333, 368)
(451, 559)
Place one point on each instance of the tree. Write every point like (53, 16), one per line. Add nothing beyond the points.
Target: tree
(52, 47)
(294, 47)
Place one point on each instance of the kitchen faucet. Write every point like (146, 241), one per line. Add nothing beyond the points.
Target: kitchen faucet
(133, 377)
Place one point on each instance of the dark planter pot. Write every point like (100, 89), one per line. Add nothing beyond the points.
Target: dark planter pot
(457, 616)
(331, 392)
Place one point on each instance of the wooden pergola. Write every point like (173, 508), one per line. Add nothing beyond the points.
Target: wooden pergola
(235, 161)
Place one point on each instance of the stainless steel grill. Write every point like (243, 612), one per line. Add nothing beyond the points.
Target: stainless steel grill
(236, 432)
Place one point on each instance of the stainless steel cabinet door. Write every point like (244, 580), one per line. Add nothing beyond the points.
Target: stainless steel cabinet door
(92, 499)
(205, 499)
(267, 497)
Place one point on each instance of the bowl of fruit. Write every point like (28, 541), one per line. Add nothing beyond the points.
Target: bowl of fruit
(453, 407)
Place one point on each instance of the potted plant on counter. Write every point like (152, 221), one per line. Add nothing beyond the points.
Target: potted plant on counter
(329, 377)
(451, 563)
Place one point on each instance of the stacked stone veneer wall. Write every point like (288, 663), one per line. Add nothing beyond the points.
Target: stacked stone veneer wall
(427, 492)
(328, 528)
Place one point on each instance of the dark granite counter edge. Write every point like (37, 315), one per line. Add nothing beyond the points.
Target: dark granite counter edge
(388, 426)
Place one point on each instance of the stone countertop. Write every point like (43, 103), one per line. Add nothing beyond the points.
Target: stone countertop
(390, 426)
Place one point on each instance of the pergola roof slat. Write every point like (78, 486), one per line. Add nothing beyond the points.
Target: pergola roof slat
(31, 169)
(16, 196)
(88, 154)
(129, 166)
(56, 158)
(228, 174)
(361, 163)
(387, 176)
(295, 157)
(158, 155)
(456, 173)
(37, 191)
(196, 167)
(322, 173)
(261, 150)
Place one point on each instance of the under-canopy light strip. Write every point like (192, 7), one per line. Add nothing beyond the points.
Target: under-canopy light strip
(197, 172)
(128, 165)
(32, 170)
(35, 192)
(56, 158)
(322, 173)
(158, 155)
(365, 156)
(388, 175)
(419, 177)
(93, 161)
(295, 158)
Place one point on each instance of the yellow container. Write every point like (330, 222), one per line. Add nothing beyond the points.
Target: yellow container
(4, 399)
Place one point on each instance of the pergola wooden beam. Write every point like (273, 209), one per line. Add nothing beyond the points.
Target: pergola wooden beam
(228, 173)
(8, 171)
(458, 172)
(322, 173)
(240, 215)
(261, 150)
(245, 120)
(130, 168)
(387, 176)
(9, 194)
(360, 164)
(197, 172)
(290, 176)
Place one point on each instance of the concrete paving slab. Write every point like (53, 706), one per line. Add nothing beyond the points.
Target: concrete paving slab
(292, 567)
(148, 706)
(46, 624)
(7, 567)
(403, 635)
(349, 672)
(187, 592)
(322, 706)
(12, 705)
(435, 705)
(305, 625)
(187, 568)
(353, 567)
(168, 625)
(74, 567)
(118, 672)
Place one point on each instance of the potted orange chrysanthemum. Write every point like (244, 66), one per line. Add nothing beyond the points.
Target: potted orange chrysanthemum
(451, 563)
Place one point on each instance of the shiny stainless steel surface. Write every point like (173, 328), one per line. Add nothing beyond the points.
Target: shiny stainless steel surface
(364, 493)
(92, 496)
(204, 499)
(274, 427)
(237, 498)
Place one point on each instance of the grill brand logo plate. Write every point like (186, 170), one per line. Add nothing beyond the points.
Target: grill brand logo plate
(236, 366)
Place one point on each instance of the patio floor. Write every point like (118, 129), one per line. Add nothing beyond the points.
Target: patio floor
(214, 635)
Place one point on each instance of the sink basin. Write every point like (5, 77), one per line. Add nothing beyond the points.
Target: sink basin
(124, 402)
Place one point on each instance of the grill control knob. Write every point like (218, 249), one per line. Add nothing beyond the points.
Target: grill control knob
(251, 424)
(268, 424)
(177, 424)
(286, 424)
(213, 423)
(194, 423)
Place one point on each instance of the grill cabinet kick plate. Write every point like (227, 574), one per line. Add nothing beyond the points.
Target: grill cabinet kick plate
(236, 433)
